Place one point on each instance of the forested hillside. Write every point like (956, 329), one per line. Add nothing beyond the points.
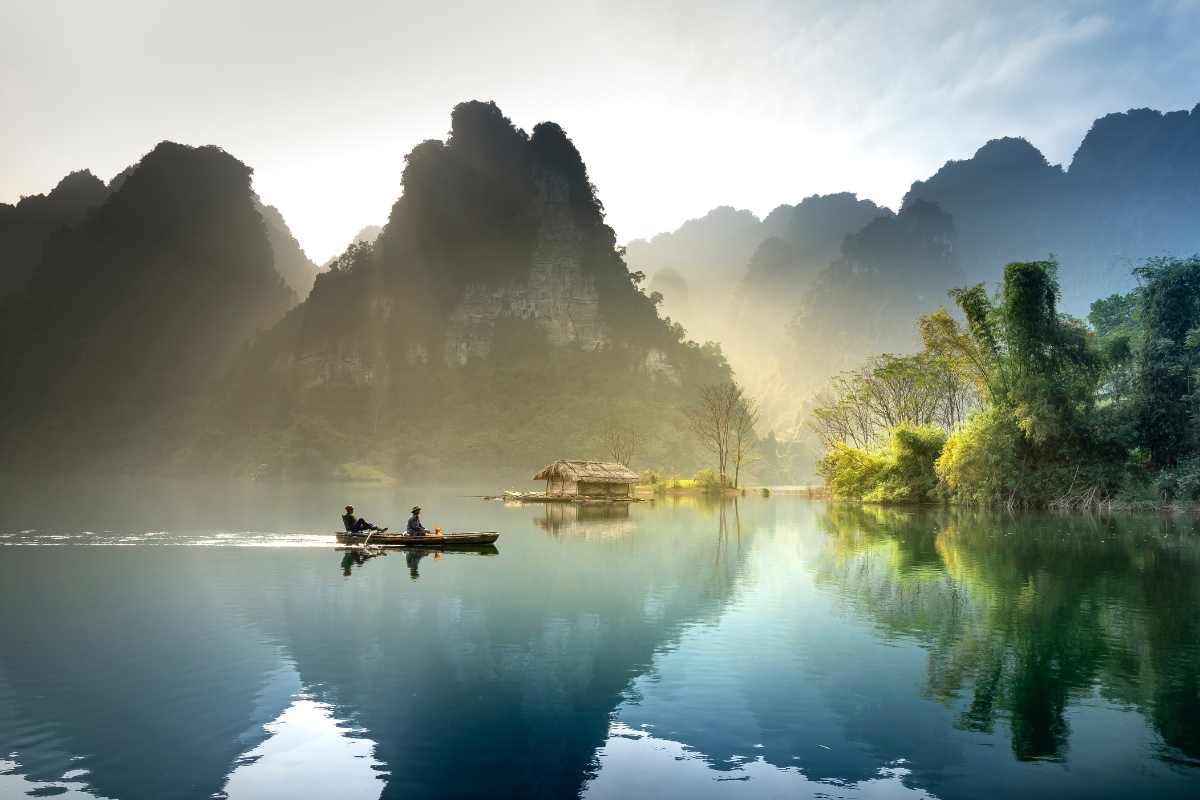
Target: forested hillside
(113, 348)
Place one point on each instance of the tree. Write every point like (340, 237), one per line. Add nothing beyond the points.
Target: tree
(1116, 323)
(744, 439)
(1020, 352)
(1039, 372)
(862, 406)
(621, 440)
(723, 420)
(1169, 358)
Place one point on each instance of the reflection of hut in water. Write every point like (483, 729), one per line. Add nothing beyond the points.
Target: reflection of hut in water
(608, 520)
(588, 479)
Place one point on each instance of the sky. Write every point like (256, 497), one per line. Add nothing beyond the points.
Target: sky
(677, 107)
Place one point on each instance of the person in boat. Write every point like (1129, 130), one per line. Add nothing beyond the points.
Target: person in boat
(358, 525)
(415, 528)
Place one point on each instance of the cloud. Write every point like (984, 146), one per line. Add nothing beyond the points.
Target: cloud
(677, 106)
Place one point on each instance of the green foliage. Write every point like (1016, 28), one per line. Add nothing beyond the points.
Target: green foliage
(1169, 359)
(914, 449)
(1179, 483)
(862, 406)
(1039, 372)
(707, 480)
(981, 462)
(900, 472)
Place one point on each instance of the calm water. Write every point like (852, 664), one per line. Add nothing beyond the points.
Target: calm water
(218, 645)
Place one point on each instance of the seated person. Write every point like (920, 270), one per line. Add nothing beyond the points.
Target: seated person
(415, 528)
(358, 525)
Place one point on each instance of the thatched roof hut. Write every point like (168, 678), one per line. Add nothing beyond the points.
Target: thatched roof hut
(587, 478)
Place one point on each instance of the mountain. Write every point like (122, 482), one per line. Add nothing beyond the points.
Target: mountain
(889, 273)
(25, 226)
(714, 247)
(811, 300)
(290, 260)
(131, 316)
(367, 235)
(1132, 190)
(297, 271)
(491, 325)
(808, 237)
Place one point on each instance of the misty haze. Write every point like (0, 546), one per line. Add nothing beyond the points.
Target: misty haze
(599, 400)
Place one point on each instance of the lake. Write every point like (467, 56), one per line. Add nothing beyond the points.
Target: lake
(191, 641)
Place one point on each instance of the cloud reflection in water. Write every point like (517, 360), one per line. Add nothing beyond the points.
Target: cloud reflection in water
(308, 754)
(633, 763)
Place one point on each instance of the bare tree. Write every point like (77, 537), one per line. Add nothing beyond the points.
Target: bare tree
(862, 406)
(743, 439)
(718, 419)
(622, 440)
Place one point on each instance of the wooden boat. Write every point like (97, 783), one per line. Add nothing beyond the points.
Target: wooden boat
(428, 541)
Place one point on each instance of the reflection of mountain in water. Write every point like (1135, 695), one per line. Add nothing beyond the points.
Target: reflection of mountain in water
(1030, 624)
(520, 668)
(160, 666)
(133, 667)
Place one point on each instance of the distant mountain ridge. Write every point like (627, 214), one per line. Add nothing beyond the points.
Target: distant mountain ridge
(296, 269)
(1132, 190)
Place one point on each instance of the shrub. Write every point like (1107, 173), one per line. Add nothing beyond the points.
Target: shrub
(852, 472)
(911, 476)
(708, 480)
(900, 472)
(1179, 484)
(980, 462)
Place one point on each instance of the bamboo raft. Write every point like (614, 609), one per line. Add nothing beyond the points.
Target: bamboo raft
(428, 542)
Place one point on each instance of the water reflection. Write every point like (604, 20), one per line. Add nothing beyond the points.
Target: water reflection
(634, 763)
(589, 520)
(71, 786)
(356, 557)
(1028, 617)
(307, 753)
(762, 647)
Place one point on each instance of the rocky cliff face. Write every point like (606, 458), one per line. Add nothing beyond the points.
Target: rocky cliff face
(557, 295)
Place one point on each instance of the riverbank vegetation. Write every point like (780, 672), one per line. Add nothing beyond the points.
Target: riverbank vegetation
(1013, 403)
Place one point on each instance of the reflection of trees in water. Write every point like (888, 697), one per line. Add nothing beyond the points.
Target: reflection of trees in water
(1033, 613)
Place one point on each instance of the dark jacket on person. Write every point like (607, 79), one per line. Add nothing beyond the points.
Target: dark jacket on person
(415, 528)
(348, 520)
